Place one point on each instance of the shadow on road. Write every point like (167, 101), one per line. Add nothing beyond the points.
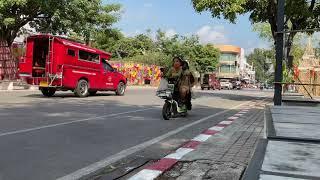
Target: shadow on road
(69, 95)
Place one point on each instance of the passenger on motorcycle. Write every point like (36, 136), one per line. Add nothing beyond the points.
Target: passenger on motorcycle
(183, 80)
(186, 83)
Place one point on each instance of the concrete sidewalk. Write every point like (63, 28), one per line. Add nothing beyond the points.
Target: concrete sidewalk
(292, 145)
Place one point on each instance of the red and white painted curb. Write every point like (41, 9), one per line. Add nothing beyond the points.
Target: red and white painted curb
(156, 169)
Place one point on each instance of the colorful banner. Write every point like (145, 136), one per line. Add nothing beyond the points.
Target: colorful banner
(139, 74)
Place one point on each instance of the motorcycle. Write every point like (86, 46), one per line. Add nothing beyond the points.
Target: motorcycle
(171, 107)
(238, 85)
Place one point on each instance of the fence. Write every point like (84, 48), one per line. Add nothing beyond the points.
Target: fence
(8, 64)
(309, 78)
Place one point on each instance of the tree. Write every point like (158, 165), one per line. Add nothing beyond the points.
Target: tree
(297, 49)
(259, 59)
(205, 56)
(106, 39)
(300, 14)
(142, 48)
(55, 16)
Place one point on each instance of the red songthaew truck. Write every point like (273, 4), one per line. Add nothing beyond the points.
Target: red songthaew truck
(55, 63)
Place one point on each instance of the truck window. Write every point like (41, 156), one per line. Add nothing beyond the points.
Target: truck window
(71, 52)
(87, 56)
(107, 66)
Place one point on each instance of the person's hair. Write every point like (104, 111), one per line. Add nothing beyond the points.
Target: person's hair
(185, 65)
(180, 60)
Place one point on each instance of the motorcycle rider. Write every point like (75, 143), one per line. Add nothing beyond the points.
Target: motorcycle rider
(183, 78)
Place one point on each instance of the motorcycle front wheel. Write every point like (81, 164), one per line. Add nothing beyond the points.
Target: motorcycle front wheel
(166, 111)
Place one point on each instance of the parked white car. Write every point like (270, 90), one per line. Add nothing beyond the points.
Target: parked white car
(225, 84)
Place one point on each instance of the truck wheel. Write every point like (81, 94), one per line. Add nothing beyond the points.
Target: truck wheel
(48, 92)
(121, 89)
(92, 93)
(202, 88)
(82, 89)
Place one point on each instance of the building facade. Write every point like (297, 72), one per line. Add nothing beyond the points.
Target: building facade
(233, 64)
(229, 62)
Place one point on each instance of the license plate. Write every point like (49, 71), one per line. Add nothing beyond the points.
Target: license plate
(44, 84)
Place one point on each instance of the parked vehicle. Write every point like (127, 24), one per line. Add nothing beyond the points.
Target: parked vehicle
(56, 63)
(234, 83)
(210, 81)
(225, 84)
(238, 85)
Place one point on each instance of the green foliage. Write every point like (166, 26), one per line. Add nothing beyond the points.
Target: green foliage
(261, 60)
(263, 30)
(206, 56)
(160, 51)
(297, 53)
(300, 14)
(156, 58)
(287, 75)
(56, 16)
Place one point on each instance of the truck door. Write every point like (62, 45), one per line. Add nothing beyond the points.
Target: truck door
(108, 75)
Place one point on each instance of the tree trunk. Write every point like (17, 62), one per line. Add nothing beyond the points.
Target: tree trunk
(8, 36)
(289, 43)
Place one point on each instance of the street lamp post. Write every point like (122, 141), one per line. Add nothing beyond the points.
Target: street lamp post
(279, 54)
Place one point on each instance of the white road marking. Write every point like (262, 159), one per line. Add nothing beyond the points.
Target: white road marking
(124, 153)
(233, 118)
(201, 137)
(226, 122)
(70, 122)
(216, 128)
(242, 112)
(146, 174)
(179, 153)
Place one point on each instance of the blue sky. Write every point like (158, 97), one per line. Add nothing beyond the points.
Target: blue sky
(178, 16)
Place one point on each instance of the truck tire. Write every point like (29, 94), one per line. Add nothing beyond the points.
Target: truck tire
(121, 89)
(48, 92)
(82, 89)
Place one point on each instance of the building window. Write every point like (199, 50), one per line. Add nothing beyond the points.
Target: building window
(228, 57)
(233, 69)
(224, 68)
(88, 56)
(71, 52)
(107, 66)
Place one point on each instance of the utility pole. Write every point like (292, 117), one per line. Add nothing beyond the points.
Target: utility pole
(279, 54)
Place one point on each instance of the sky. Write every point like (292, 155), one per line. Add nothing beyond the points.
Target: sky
(179, 17)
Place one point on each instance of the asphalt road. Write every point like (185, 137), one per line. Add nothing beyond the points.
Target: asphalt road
(49, 138)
